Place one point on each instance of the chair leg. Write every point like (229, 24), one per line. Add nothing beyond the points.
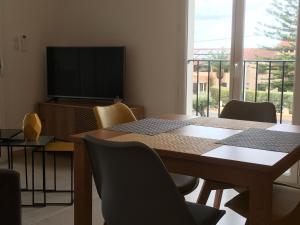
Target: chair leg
(72, 175)
(11, 158)
(204, 193)
(26, 173)
(32, 176)
(218, 198)
(54, 170)
(8, 158)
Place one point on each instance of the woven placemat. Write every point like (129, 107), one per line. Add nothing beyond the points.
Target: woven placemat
(172, 142)
(150, 126)
(229, 123)
(264, 139)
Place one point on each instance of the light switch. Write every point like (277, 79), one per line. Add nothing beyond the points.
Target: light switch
(16, 43)
(24, 43)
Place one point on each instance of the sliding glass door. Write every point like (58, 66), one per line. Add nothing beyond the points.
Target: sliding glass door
(243, 49)
(211, 55)
(270, 53)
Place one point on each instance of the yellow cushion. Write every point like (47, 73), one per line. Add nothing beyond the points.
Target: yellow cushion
(108, 116)
(60, 146)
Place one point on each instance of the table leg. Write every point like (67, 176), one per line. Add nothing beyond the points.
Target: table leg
(11, 158)
(72, 175)
(32, 176)
(8, 157)
(44, 175)
(26, 173)
(261, 203)
(83, 186)
(54, 170)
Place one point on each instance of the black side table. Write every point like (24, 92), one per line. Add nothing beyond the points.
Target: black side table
(40, 143)
(5, 136)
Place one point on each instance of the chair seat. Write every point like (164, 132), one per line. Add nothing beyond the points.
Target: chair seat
(285, 204)
(185, 184)
(60, 146)
(205, 215)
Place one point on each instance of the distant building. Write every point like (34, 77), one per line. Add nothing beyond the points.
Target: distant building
(219, 58)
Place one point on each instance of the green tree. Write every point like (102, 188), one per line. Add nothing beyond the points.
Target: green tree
(283, 28)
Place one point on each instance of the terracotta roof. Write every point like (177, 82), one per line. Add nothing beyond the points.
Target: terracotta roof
(249, 53)
(286, 44)
(254, 53)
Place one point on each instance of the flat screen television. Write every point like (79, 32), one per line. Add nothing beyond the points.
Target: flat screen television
(85, 72)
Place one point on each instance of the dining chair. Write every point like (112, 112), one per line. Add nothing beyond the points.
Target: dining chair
(238, 110)
(251, 111)
(150, 197)
(32, 128)
(285, 205)
(10, 197)
(63, 148)
(108, 116)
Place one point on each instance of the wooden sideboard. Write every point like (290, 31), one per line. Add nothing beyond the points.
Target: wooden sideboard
(66, 117)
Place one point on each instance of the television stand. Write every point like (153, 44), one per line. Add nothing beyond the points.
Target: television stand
(63, 117)
(54, 99)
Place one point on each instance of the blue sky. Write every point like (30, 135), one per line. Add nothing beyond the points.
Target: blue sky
(213, 23)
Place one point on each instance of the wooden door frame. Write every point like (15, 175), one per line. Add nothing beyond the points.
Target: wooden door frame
(237, 49)
(2, 78)
(296, 107)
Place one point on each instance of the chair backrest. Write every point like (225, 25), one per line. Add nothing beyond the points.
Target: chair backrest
(134, 185)
(10, 197)
(108, 116)
(252, 111)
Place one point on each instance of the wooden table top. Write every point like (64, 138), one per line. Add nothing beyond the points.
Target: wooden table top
(252, 168)
(230, 154)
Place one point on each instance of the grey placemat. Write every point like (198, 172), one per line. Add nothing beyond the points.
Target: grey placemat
(264, 139)
(150, 126)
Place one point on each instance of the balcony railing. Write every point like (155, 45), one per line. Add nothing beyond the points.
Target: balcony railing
(263, 80)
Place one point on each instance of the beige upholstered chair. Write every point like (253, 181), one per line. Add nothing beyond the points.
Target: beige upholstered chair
(285, 205)
(252, 111)
(239, 110)
(108, 116)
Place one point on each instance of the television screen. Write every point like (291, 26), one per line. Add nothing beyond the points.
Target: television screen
(85, 72)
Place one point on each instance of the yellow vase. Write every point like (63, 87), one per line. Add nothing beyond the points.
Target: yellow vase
(32, 127)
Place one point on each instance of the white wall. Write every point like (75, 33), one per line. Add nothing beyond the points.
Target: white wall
(153, 31)
(154, 34)
(23, 79)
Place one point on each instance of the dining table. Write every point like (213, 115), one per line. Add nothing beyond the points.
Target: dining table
(192, 147)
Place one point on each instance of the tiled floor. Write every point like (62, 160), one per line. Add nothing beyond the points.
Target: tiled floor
(63, 215)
